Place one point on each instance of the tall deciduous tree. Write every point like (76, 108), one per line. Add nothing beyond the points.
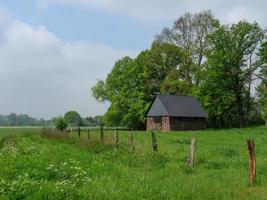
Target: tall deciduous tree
(232, 65)
(191, 32)
(197, 56)
(73, 118)
(262, 88)
(132, 83)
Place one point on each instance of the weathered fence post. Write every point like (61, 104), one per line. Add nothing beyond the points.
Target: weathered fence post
(191, 152)
(130, 141)
(117, 137)
(79, 131)
(88, 134)
(102, 134)
(154, 141)
(252, 161)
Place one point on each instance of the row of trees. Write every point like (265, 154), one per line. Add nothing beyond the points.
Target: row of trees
(72, 118)
(22, 120)
(219, 64)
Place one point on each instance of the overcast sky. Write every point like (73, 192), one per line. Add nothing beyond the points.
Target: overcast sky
(53, 51)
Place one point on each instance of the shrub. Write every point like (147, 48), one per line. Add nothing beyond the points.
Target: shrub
(61, 124)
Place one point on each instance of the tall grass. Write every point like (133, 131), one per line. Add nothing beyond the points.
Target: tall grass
(36, 167)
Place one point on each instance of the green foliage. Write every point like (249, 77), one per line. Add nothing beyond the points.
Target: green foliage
(263, 52)
(197, 56)
(172, 84)
(61, 124)
(93, 121)
(262, 88)
(131, 84)
(73, 118)
(229, 73)
(99, 91)
(14, 119)
(190, 32)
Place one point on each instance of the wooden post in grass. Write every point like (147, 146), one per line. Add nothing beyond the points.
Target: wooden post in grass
(102, 134)
(252, 161)
(130, 141)
(117, 137)
(191, 152)
(88, 134)
(154, 141)
(79, 131)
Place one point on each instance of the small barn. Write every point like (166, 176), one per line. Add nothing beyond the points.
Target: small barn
(173, 113)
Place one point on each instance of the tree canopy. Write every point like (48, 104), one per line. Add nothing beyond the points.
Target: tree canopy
(262, 88)
(218, 64)
(73, 118)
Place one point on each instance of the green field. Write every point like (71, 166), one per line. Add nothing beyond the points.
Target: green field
(33, 167)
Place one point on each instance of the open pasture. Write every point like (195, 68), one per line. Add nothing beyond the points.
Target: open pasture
(36, 167)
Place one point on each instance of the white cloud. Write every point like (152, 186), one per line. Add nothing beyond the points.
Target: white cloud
(237, 14)
(158, 10)
(44, 76)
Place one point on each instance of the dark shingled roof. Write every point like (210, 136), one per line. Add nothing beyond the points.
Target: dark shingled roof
(175, 106)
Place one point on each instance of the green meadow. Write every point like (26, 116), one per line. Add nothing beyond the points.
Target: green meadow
(37, 167)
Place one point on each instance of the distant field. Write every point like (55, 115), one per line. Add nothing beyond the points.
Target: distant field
(33, 167)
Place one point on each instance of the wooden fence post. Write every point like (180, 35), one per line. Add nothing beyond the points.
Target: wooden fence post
(154, 141)
(117, 137)
(252, 161)
(191, 152)
(102, 134)
(79, 131)
(88, 134)
(130, 141)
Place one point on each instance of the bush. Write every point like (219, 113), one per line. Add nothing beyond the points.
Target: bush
(61, 124)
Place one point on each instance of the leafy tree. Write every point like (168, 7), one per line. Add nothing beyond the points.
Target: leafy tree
(197, 56)
(131, 84)
(231, 67)
(61, 124)
(73, 118)
(191, 32)
(262, 88)
(14, 119)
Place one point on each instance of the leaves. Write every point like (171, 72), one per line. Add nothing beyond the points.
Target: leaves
(197, 56)
(73, 118)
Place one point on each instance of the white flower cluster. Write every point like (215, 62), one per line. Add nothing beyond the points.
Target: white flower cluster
(69, 170)
(27, 146)
(9, 148)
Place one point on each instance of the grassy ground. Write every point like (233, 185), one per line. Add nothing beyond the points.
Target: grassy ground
(33, 167)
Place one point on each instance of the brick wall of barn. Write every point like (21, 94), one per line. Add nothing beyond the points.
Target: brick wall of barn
(166, 126)
(158, 123)
(175, 123)
(149, 123)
